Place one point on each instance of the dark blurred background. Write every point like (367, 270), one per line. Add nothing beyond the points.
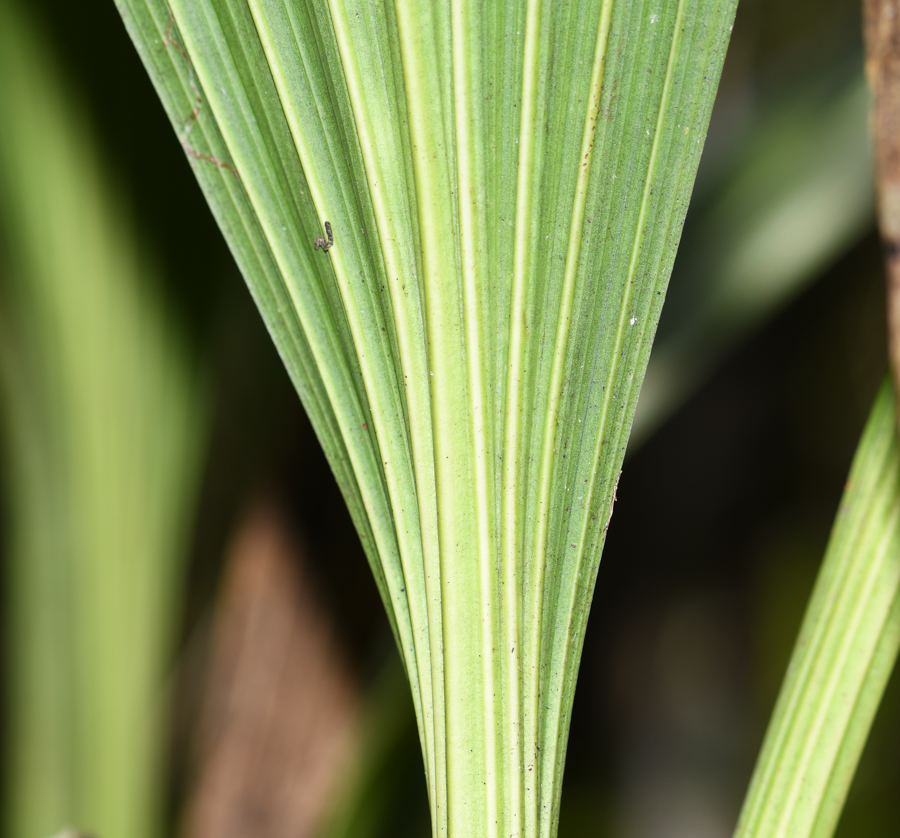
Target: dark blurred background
(772, 346)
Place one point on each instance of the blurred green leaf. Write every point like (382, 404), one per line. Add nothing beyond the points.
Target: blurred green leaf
(102, 421)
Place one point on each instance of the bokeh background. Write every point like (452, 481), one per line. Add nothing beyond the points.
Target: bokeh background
(280, 702)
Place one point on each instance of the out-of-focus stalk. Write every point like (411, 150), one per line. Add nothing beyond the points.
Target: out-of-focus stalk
(101, 416)
(843, 656)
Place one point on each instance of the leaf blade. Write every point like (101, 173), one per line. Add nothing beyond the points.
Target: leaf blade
(448, 130)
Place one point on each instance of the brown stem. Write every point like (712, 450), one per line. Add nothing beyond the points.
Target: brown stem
(881, 25)
(279, 704)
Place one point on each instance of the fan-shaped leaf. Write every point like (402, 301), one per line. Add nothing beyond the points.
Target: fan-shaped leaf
(506, 184)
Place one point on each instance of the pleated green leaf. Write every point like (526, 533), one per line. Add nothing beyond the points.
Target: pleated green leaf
(844, 654)
(506, 185)
(102, 424)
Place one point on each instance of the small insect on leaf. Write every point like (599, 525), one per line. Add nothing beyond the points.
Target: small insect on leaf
(321, 242)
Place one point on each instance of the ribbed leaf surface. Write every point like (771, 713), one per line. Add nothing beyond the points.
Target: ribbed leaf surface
(506, 184)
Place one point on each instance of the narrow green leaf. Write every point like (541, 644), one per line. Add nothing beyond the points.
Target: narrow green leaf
(844, 654)
(506, 184)
(101, 419)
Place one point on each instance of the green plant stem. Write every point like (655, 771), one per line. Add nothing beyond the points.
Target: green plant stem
(844, 653)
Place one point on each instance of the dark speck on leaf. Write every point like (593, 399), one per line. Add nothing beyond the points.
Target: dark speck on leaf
(321, 242)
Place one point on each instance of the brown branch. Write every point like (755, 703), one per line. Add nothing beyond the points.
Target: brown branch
(279, 704)
(881, 25)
